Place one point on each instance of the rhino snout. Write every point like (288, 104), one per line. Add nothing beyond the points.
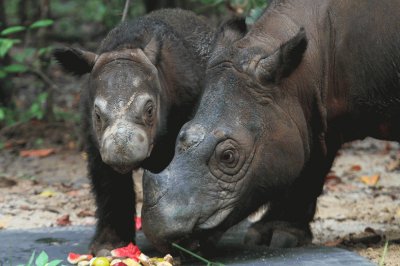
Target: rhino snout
(164, 218)
(124, 147)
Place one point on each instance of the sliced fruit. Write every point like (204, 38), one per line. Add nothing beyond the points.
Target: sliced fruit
(131, 262)
(129, 251)
(74, 258)
(117, 262)
(100, 261)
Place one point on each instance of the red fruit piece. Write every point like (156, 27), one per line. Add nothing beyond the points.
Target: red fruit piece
(129, 251)
(74, 258)
(119, 264)
(138, 223)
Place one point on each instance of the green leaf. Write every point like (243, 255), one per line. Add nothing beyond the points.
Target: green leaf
(42, 259)
(6, 45)
(31, 259)
(2, 114)
(41, 23)
(54, 263)
(42, 97)
(3, 74)
(13, 29)
(255, 13)
(45, 50)
(15, 68)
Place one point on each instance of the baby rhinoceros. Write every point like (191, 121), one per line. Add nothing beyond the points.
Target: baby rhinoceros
(144, 82)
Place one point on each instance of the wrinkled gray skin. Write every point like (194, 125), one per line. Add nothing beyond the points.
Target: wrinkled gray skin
(144, 83)
(279, 102)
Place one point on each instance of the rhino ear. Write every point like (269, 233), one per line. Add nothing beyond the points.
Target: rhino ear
(75, 61)
(152, 50)
(284, 61)
(230, 31)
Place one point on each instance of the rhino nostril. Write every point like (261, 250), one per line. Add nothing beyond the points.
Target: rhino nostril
(140, 137)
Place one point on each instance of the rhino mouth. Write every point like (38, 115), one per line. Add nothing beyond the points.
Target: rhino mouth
(201, 241)
(124, 169)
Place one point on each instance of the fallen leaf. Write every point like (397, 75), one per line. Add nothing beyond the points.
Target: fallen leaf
(393, 165)
(85, 213)
(47, 194)
(355, 168)
(331, 177)
(334, 243)
(73, 193)
(63, 220)
(370, 180)
(4, 222)
(2, 225)
(36, 153)
(7, 182)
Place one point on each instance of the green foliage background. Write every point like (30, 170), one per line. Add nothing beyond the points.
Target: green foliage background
(30, 29)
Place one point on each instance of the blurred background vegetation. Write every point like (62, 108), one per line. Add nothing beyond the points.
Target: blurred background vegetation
(33, 89)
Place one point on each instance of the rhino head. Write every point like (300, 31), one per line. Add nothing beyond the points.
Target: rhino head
(123, 101)
(246, 143)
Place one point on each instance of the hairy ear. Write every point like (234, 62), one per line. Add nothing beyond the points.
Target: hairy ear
(230, 31)
(152, 50)
(284, 60)
(75, 61)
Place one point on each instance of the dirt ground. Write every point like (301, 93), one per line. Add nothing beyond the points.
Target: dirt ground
(359, 209)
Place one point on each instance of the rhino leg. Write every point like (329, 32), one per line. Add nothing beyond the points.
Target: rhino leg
(115, 201)
(278, 230)
(285, 225)
(287, 222)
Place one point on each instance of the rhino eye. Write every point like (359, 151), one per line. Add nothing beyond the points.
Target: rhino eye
(97, 117)
(227, 161)
(148, 112)
(228, 157)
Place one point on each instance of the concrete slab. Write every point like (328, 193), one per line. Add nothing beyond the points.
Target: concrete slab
(16, 246)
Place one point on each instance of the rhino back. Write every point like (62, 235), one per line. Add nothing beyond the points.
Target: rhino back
(367, 55)
(352, 59)
(174, 24)
(193, 29)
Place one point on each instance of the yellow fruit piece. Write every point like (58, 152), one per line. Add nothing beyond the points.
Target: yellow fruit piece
(131, 262)
(100, 261)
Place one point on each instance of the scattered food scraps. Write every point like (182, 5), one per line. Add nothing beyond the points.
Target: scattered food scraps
(138, 223)
(129, 255)
(74, 258)
(130, 251)
(63, 220)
